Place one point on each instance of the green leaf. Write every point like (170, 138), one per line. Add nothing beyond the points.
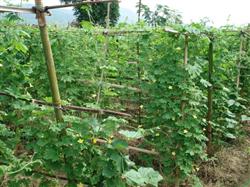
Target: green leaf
(109, 170)
(51, 154)
(143, 177)
(205, 83)
(231, 136)
(87, 25)
(111, 124)
(2, 171)
(231, 102)
(20, 47)
(152, 177)
(131, 134)
(117, 159)
(193, 70)
(134, 177)
(115, 182)
(120, 144)
(245, 118)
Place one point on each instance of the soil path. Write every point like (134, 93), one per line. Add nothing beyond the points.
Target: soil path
(232, 167)
(246, 178)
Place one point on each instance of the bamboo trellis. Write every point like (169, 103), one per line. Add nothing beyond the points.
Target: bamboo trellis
(40, 10)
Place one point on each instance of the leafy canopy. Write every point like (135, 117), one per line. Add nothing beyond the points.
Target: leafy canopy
(163, 15)
(96, 13)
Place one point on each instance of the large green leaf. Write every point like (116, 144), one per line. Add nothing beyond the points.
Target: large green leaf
(120, 144)
(131, 134)
(245, 118)
(143, 177)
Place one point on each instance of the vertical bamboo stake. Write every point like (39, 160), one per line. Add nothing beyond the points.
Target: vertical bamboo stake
(139, 79)
(210, 97)
(183, 103)
(239, 60)
(105, 51)
(185, 63)
(138, 68)
(186, 50)
(49, 60)
(139, 10)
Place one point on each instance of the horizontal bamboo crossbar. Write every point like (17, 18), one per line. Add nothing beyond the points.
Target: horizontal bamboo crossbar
(16, 9)
(170, 30)
(80, 3)
(131, 148)
(33, 10)
(111, 85)
(127, 32)
(71, 107)
(150, 31)
(122, 32)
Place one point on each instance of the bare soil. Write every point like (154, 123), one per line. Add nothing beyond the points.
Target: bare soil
(231, 168)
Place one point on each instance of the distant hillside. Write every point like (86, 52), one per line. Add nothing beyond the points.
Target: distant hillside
(65, 16)
(59, 17)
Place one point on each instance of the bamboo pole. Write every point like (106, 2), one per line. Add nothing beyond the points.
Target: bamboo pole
(106, 45)
(239, 61)
(70, 107)
(49, 60)
(185, 63)
(139, 75)
(139, 10)
(135, 149)
(183, 104)
(210, 98)
(111, 85)
(81, 3)
(186, 50)
(139, 68)
(4, 9)
(46, 9)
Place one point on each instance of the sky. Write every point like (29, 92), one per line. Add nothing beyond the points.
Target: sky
(220, 12)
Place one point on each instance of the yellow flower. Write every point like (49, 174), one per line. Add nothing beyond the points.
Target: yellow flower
(109, 141)
(80, 185)
(173, 153)
(141, 107)
(93, 95)
(80, 141)
(94, 141)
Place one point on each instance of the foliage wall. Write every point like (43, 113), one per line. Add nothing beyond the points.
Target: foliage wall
(142, 74)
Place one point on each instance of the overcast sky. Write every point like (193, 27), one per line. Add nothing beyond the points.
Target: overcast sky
(220, 12)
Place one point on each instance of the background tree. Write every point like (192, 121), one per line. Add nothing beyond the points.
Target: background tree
(163, 15)
(96, 13)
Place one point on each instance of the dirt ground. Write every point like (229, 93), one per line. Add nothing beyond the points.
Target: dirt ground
(231, 168)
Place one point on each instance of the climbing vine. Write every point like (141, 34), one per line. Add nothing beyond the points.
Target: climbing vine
(169, 142)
